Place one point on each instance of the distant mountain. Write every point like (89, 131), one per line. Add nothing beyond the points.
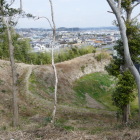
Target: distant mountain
(70, 29)
(100, 28)
(86, 29)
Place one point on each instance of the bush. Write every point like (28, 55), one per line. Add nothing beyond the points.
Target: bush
(102, 56)
(70, 53)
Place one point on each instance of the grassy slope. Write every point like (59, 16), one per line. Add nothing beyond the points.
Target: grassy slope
(73, 116)
(98, 85)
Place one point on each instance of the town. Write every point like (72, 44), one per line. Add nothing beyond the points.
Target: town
(41, 39)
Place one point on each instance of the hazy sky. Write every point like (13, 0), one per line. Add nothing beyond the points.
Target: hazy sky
(69, 13)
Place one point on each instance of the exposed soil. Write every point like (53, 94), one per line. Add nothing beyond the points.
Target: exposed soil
(92, 103)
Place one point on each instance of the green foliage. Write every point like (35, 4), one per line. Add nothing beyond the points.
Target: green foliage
(113, 68)
(73, 52)
(133, 33)
(39, 58)
(123, 93)
(61, 124)
(1, 82)
(63, 55)
(22, 48)
(47, 120)
(83, 69)
(94, 51)
(8, 11)
(102, 56)
(4, 52)
(126, 4)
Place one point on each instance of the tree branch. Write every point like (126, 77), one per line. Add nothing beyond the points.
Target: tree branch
(110, 12)
(123, 18)
(47, 20)
(135, 17)
(12, 1)
(135, 5)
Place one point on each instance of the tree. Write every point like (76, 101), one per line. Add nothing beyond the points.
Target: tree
(7, 13)
(117, 68)
(53, 27)
(128, 6)
(53, 64)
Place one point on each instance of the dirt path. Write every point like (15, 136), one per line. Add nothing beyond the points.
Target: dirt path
(92, 103)
(27, 76)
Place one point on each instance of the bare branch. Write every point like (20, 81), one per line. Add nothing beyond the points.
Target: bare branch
(113, 7)
(123, 18)
(135, 5)
(12, 1)
(135, 17)
(110, 12)
(47, 20)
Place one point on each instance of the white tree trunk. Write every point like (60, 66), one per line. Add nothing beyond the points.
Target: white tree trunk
(127, 56)
(53, 63)
(56, 83)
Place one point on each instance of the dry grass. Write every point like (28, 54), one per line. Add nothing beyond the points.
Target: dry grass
(52, 133)
(35, 105)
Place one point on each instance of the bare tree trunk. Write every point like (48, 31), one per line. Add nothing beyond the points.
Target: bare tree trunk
(125, 114)
(127, 56)
(53, 27)
(21, 5)
(14, 77)
(56, 82)
(13, 70)
(53, 64)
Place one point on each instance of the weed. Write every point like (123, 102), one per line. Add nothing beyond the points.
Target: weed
(83, 69)
(61, 124)
(3, 127)
(68, 127)
(3, 91)
(33, 78)
(1, 82)
(47, 120)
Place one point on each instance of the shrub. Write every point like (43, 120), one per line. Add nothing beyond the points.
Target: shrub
(102, 56)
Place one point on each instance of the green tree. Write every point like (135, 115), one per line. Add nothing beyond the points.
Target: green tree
(119, 65)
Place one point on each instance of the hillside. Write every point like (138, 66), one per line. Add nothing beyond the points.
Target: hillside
(38, 81)
(85, 119)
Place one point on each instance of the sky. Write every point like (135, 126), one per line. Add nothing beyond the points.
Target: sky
(68, 13)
